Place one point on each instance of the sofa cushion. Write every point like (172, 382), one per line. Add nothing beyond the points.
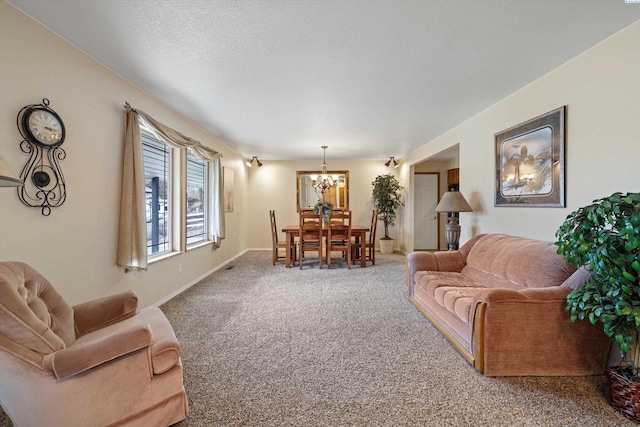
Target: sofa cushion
(458, 300)
(578, 279)
(453, 291)
(500, 261)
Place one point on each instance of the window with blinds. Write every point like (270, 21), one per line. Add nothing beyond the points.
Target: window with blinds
(196, 192)
(157, 167)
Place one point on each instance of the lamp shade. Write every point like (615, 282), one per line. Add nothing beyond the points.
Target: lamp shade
(7, 177)
(453, 201)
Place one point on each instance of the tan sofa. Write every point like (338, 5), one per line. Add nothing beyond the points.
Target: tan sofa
(500, 301)
(101, 363)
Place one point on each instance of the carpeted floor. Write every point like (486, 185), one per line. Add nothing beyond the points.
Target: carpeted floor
(270, 346)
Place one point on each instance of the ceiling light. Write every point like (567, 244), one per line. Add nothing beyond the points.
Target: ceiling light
(250, 162)
(324, 181)
(392, 160)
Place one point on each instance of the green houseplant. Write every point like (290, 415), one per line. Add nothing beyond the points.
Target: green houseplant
(605, 238)
(387, 198)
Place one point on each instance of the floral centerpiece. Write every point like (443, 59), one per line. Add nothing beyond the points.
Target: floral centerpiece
(323, 208)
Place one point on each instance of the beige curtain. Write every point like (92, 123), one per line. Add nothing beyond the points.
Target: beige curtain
(132, 241)
(132, 237)
(216, 197)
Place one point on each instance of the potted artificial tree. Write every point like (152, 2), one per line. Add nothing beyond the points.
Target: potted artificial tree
(605, 238)
(387, 198)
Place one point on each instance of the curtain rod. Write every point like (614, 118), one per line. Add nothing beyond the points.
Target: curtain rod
(128, 107)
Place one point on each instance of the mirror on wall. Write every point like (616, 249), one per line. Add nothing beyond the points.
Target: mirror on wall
(307, 196)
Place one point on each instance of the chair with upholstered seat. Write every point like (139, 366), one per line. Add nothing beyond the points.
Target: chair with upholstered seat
(339, 235)
(370, 244)
(98, 363)
(279, 249)
(310, 235)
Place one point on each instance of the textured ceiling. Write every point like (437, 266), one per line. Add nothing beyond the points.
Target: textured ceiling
(370, 79)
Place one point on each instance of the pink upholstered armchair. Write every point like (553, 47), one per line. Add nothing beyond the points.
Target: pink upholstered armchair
(101, 363)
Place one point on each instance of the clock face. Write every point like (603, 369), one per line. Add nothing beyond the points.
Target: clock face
(44, 126)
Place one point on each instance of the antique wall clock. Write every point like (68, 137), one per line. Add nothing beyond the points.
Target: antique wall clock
(43, 132)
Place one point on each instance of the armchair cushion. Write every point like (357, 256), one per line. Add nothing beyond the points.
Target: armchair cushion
(32, 312)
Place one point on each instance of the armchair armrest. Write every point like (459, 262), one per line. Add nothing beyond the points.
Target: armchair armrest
(83, 356)
(93, 315)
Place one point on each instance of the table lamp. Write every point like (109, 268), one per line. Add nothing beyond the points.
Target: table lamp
(453, 202)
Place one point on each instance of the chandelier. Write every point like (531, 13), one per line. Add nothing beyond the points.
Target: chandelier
(325, 181)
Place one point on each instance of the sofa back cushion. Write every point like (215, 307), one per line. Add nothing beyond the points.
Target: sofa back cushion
(501, 261)
(33, 316)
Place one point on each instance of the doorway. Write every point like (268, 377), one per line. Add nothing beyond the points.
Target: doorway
(425, 217)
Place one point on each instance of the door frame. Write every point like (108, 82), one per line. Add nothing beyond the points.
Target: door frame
(437, 213)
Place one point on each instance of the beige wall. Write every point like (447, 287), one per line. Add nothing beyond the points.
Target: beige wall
(75, 247)
(601, 89)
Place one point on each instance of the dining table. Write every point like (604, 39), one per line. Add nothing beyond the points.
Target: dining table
(357, 231)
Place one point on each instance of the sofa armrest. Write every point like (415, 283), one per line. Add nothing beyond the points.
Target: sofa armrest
(433, 261)
(93, 315)
(531, 295)
(528, 332)
(507, 305)
(81, 357)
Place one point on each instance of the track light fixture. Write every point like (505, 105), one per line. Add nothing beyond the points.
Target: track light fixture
(390, 161)
(250, 162)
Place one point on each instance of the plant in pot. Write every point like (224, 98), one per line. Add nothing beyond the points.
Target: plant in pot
(605, 238)
(387, 198)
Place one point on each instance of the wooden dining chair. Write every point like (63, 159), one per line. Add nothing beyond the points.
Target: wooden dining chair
(310, 235)
(279, 249)
(370, 244)
(339, 235)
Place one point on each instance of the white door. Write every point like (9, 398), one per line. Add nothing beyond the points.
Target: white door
(425, 217)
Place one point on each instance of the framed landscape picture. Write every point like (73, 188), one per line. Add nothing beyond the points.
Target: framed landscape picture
(530, 162)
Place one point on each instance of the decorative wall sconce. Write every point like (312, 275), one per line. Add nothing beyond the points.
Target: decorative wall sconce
(249, 163)
(390, 161)
(43, 132)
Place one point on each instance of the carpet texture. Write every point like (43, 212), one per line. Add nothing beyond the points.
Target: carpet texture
(263, 345)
